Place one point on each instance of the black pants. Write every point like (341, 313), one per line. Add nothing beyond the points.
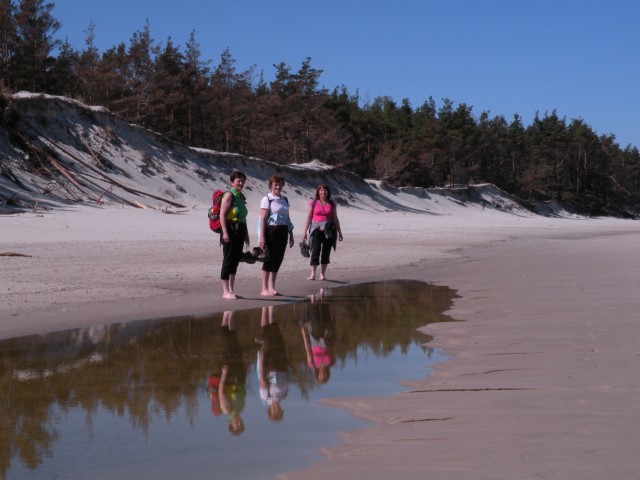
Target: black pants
(276, 238)
(232, 251)
(231, 356)
(320, 248)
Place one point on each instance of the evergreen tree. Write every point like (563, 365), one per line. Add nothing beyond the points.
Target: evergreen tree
(195, 87)
(113, 79)
(62, 77)
(8, 40)
(141, 75)
(88, 69)
(35, 27)
(168, 93)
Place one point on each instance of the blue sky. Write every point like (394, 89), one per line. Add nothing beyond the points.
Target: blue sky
(579, 57)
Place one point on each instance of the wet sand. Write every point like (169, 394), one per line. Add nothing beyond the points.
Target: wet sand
(542, 378)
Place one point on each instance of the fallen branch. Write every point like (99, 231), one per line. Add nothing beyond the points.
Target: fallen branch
(69, 177)
(13, 254)
(108, 178)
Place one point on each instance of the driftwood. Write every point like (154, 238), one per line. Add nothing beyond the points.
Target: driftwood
(108, 178)
(13, 254)
(172, 212)
(101, 174)
(67, 174)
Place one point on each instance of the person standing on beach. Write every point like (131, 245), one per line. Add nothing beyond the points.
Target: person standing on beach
(323, 229)
(275, 228)
(233, 221)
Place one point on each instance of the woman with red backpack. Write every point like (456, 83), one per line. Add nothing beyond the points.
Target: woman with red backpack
(233, 222)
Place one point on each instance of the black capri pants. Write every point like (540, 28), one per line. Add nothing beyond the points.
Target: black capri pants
(232, 251)
(320, 248)
(276, 238)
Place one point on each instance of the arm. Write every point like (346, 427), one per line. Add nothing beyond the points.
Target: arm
(291, 238)
(262, 379)
(290, 227)
(307, 223)
(264, 215)
(307, 347)
(336, 222)
(225, 404)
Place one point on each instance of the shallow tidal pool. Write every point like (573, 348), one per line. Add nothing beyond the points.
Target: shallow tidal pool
(232, 395)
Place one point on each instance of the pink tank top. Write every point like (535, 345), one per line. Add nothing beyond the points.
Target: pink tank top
(322, 213)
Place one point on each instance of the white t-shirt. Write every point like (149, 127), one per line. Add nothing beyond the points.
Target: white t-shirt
(279, 214)
(277, 389)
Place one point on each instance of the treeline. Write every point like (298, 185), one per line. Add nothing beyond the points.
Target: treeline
(292, 118)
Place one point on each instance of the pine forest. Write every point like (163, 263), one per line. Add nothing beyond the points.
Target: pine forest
(292, 118)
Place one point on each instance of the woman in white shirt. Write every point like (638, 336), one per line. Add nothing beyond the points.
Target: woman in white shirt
(276, 231)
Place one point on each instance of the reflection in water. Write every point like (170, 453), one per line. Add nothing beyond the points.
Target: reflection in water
(319, 337)
(232, 386)
(272, 365)
(127, 399)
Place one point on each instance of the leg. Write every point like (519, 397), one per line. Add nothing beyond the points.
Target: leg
(227, 320)
(324, 257)
(272, 284)
(312, 273)
(226, 292)
(323, 269)
(316, 245)
(232, 281)
(231, 252)
(265, 283)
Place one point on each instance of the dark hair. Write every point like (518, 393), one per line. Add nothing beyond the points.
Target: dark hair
(237, 174)
(326, 187)
(276, 179)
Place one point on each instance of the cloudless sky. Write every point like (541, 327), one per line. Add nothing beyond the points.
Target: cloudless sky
(579, 57)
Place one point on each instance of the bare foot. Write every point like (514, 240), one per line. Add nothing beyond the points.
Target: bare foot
(322, 277)
(275, 293)
(311, 277)
(265, 293)
(230, 296)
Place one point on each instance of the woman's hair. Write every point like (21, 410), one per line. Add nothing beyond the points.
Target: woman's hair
(237, 174)
(326, 187)
(276, 179)
(323, 374)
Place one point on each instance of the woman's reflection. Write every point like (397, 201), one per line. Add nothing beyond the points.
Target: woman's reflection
(272, 365)
(229, 394)
(318, 334)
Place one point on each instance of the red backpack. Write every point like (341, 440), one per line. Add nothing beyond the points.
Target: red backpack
(214, 211)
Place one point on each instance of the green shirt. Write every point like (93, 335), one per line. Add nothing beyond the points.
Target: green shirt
(238, 211)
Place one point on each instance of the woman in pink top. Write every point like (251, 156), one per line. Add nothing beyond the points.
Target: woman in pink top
(321, 230)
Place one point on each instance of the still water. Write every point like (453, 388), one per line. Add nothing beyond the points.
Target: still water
(233, 395)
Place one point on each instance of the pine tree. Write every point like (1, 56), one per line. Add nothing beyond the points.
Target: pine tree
(35, 27)
(88, 69)
(8, 40)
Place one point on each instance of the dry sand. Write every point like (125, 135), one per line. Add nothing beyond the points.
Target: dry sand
(542, 377)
